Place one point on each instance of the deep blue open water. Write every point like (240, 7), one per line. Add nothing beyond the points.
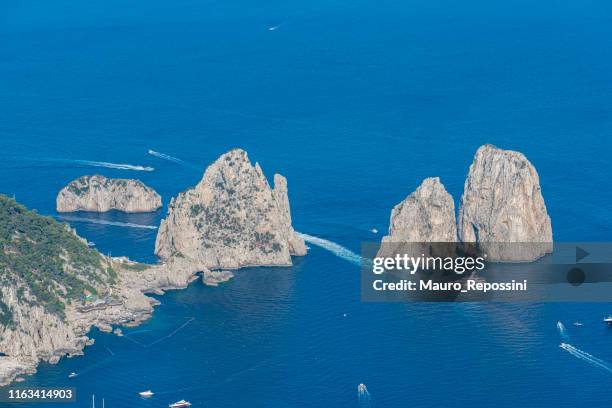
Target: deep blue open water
(355, 102)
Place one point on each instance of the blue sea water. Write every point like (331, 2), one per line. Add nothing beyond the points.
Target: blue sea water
(355, 102)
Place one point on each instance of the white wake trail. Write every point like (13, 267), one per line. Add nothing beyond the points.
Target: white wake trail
(118, 166)
(104, 222)
(92, 163)
(584, 356)
(562, 331)
(363, 395)
(332, 247)
(165, 156)
(173, 159)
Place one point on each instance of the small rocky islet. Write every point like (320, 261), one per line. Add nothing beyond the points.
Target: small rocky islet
(101, 194)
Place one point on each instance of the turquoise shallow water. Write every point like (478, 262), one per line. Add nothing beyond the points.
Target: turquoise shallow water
(355, 102)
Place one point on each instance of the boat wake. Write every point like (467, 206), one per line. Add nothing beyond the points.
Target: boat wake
(118, 166)
(562, 331)
(584, 356)
(336, 249)
(165, 156)
(363, 395)
(172, 159)
(80, 163)
(275, 27)
(105, 222)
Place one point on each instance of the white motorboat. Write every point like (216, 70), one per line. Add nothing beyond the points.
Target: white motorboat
(180, 404)
(146, 394)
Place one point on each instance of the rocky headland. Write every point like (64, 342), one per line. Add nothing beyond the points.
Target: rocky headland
(231, 219)
(55, 289)
(100, 194)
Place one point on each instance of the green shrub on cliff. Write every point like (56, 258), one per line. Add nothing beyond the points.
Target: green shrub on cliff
(47, 257)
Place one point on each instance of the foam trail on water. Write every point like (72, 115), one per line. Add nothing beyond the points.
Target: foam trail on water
(118, 166)
(562, 331)
(332, 247)
(584, 356)
(173, 159)
(165, 156)
(363, 395)
(104, 222)
(93, 163)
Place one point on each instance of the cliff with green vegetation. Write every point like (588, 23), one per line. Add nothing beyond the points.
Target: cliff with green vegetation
(54, 288)
(48, 260)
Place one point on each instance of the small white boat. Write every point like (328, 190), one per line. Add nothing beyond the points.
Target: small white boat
(72, 375)
(146, 394)
(608, 320)
(180, 404)
(578, 324)
(91, 244)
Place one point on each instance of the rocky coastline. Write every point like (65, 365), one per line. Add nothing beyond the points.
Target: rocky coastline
(232, 219)
(41, 336)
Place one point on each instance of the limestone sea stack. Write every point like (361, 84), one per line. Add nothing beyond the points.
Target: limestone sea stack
(502, 208)
(232, 218)
(100, 194)
(426, 215)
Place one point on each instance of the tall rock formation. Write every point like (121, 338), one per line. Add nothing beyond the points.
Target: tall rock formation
(281, 196)
(426, 215)
(100, 194)
(502, 203)
(230, 219)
